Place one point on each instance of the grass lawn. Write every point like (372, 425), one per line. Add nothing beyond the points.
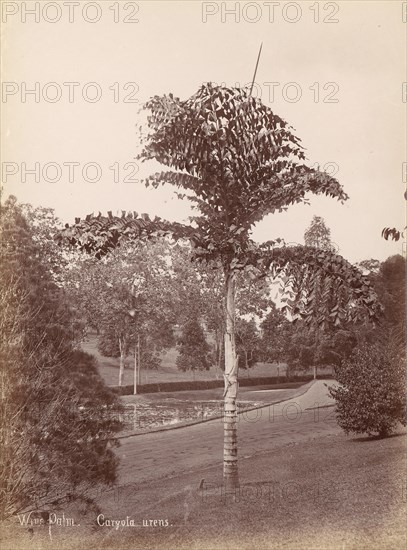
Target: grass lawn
(332, 493)
(168, 372)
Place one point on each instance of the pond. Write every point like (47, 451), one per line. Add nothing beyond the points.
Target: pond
(144, 416)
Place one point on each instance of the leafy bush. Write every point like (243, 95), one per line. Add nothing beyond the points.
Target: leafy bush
(372, 395)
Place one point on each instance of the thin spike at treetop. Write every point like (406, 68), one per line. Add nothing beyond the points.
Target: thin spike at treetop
(255, 70)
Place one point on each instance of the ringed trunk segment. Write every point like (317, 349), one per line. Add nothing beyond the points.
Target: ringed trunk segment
(230, 465)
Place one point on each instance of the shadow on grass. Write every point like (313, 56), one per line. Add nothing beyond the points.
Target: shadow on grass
(369, 438)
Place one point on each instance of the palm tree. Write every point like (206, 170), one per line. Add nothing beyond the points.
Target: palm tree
(237, 162)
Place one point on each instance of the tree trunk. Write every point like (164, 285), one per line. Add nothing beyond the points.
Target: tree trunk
(135, 375)
(121, 368)
(230, 469)
(138, 359)
(220, 338)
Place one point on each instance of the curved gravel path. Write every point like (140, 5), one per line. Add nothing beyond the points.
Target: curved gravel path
(154, 455)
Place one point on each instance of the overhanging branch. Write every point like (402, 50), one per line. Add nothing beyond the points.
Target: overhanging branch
(346, 294)
(99, 235)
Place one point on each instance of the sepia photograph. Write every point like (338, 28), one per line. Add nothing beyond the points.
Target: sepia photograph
(203, 275)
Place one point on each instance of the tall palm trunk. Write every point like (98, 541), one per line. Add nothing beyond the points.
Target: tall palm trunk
(121, 367)
(219, 343)
(230, 469)
(136, 369)
(138, 359)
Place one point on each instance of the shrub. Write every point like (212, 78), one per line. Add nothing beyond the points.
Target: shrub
(372, 395)
(55, 438)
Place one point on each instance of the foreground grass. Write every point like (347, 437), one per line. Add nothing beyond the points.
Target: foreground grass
(334, 492)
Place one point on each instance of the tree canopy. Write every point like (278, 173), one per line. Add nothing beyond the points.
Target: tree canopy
(236, 161)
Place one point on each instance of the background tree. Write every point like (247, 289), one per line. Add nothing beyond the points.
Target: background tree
(318, 234)
(390, 285)
(237, 162)
(370, 266)
(306, 349)
(193, 347)
(309, 354)
(198, 289)
(117, 330)
(276, 332)
(55, 438)
(44, 226)
(247, 342)
(127, 298)
(335, 347)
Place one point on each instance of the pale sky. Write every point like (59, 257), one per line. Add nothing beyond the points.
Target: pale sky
(339, 84)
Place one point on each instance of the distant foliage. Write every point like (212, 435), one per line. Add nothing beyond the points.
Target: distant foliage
(247, 343)
(318, 234)
(335, 347)
(390, 283)
(149, 357)
(128, 299)
(276, 331)
(372, 395)
(306, 347)
(193, 348)
(44, 225)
